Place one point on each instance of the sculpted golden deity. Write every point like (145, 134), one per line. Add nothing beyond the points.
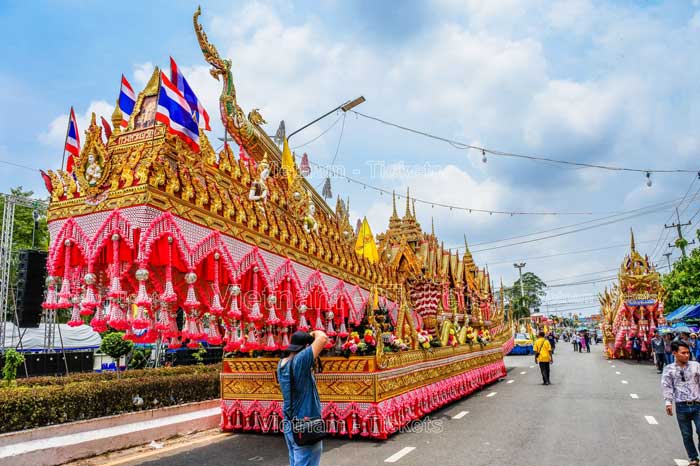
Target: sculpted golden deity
(93, 171)
(310, 223)
(258, 188)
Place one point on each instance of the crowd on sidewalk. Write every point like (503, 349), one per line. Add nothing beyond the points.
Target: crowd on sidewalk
(661, 347)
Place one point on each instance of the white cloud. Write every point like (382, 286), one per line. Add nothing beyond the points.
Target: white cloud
(142, 73)
(695, 21)
(55, 134)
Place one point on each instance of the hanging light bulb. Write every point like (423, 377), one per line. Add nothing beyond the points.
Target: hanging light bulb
(649, 182)
(483, 156)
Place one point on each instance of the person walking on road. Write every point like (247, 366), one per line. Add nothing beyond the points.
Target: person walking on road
(543, 356)
(636, 348)
(552, 341)
(680, 384)
(575, 341)
(301, 394)
(587, 337)
(658, 347)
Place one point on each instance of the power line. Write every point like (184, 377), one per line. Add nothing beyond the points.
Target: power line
(526, 235)
(434, 204)
(580, 251)
(319, 136)
(578, 230)
(665, 230)
(462, 145)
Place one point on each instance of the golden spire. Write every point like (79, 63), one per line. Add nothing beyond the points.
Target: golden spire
(414, 208)
(432, 226)
(408, 204)
(117, 118)
(393, 200)
(632, 248)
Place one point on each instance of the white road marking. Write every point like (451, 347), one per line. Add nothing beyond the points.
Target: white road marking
(618, 372)
(681, 462)
(491, 394)
(460, 415)
(612, 365)
(511, 381)
(634, 396)
(624, 382)
(651, 420)
(523, 373)
(531, 367)
(399, 454)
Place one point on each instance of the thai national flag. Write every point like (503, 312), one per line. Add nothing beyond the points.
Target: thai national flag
(181, 83)
(174, 112)
(72, 140)
(127, 100)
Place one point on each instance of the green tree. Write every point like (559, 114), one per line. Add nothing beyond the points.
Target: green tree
(115, 346)
(13, 359)
(520, 305)
(682, 284)
(23, 228)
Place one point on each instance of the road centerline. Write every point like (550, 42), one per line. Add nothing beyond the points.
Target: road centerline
(399, 454)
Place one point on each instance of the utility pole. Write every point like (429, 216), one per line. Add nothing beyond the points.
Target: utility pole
(678, 227)
(668, 258)
(520, 266)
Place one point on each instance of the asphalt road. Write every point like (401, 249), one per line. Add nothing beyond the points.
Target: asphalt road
(595, 413)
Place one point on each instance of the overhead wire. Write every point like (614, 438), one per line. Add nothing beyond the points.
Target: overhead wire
(580, 251)
(462, 145)
(660, 205)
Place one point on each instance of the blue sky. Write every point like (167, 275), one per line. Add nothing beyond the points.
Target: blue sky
(609, 82)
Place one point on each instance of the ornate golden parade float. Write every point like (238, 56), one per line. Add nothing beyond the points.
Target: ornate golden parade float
(633, 307)
(249, 252)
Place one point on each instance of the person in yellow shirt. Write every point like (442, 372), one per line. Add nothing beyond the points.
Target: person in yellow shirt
(543, 356)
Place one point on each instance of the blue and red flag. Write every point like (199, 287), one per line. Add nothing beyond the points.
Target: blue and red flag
(175, 113)
(72, 141)
(180, 82)
(127, 100)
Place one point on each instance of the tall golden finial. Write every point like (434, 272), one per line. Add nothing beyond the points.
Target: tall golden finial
(393, 200)
(432, 226)
(632, 248)
(414, 208)
(117, 118)
(408, 203)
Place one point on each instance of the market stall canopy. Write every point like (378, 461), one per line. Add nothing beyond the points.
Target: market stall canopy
(74, 338)
(687, 311)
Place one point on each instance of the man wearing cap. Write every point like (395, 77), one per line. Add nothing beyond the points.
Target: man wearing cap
(303, 350)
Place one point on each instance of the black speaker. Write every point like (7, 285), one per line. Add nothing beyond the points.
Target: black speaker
(31, 275)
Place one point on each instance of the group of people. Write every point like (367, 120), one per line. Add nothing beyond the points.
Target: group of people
(581, 342)
(661, 347)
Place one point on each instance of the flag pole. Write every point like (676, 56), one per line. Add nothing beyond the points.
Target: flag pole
(65, 141)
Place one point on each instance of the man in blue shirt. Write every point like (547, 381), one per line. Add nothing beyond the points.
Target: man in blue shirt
(303, 351)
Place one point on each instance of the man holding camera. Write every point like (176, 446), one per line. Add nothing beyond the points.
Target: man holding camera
(300, 394)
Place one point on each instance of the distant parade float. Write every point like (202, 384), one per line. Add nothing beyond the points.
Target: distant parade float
(633, 307)
(154, 223)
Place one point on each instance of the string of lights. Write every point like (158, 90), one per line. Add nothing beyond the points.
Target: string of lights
(537, 158)
(338, 174)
